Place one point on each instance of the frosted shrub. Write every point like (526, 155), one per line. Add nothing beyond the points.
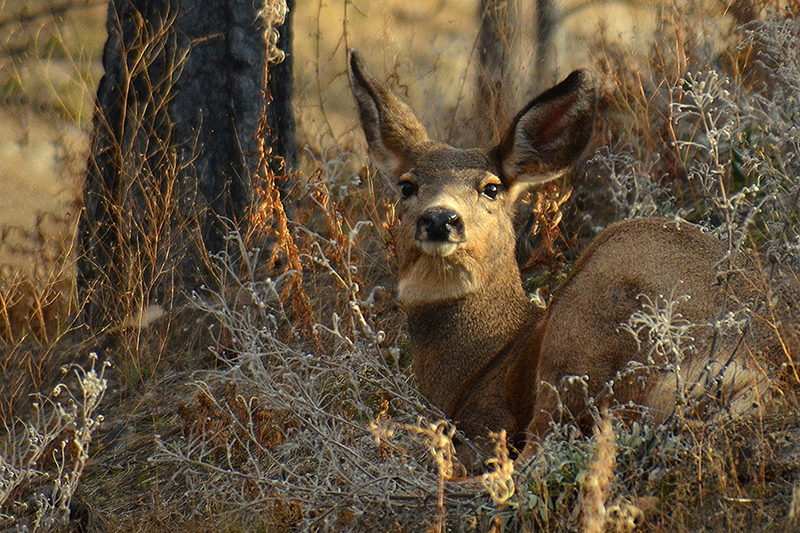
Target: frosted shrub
(280, 426)
(634, 191)
(45, 458)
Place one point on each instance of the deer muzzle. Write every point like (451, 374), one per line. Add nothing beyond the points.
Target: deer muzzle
(439, 231)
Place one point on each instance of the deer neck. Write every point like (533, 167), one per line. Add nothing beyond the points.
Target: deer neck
(456, 341)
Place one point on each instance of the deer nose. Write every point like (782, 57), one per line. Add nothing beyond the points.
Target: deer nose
(440, 224)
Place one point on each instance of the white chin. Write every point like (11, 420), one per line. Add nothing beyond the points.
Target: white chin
(442, 249)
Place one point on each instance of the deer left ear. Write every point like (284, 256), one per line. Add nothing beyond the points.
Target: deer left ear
(392, 130)
(550, 133)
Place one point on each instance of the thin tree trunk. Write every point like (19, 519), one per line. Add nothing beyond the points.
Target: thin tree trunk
(545, 75)
(495, 42)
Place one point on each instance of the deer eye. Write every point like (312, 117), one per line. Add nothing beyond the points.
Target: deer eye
(490, 190)
(407, 188)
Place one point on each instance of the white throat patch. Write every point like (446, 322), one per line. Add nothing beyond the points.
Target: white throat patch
(435, 278)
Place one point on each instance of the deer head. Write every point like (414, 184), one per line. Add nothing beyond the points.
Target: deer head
(456, 206)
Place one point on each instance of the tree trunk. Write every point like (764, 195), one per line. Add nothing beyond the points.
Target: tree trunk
(173, 148)
(280, 113)
(495, 42)
(545, 74)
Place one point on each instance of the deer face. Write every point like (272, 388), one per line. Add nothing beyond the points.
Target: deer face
(455, 225)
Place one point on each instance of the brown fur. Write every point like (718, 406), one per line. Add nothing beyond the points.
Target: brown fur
(482, 352)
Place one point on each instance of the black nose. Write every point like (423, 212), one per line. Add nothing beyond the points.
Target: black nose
(439, 224)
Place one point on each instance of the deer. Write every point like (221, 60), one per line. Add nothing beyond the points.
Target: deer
(483, 352)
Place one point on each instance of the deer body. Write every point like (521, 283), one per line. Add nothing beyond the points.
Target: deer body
(483, 352)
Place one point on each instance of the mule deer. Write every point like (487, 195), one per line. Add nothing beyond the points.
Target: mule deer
(486, 355)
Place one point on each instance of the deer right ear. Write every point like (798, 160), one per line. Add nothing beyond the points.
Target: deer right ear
(550, 133)
(392, 130)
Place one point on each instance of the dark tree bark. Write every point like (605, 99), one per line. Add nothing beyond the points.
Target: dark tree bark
(173, 150)
(280, 113)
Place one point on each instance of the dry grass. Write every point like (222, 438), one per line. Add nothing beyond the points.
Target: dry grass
(283, 402)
